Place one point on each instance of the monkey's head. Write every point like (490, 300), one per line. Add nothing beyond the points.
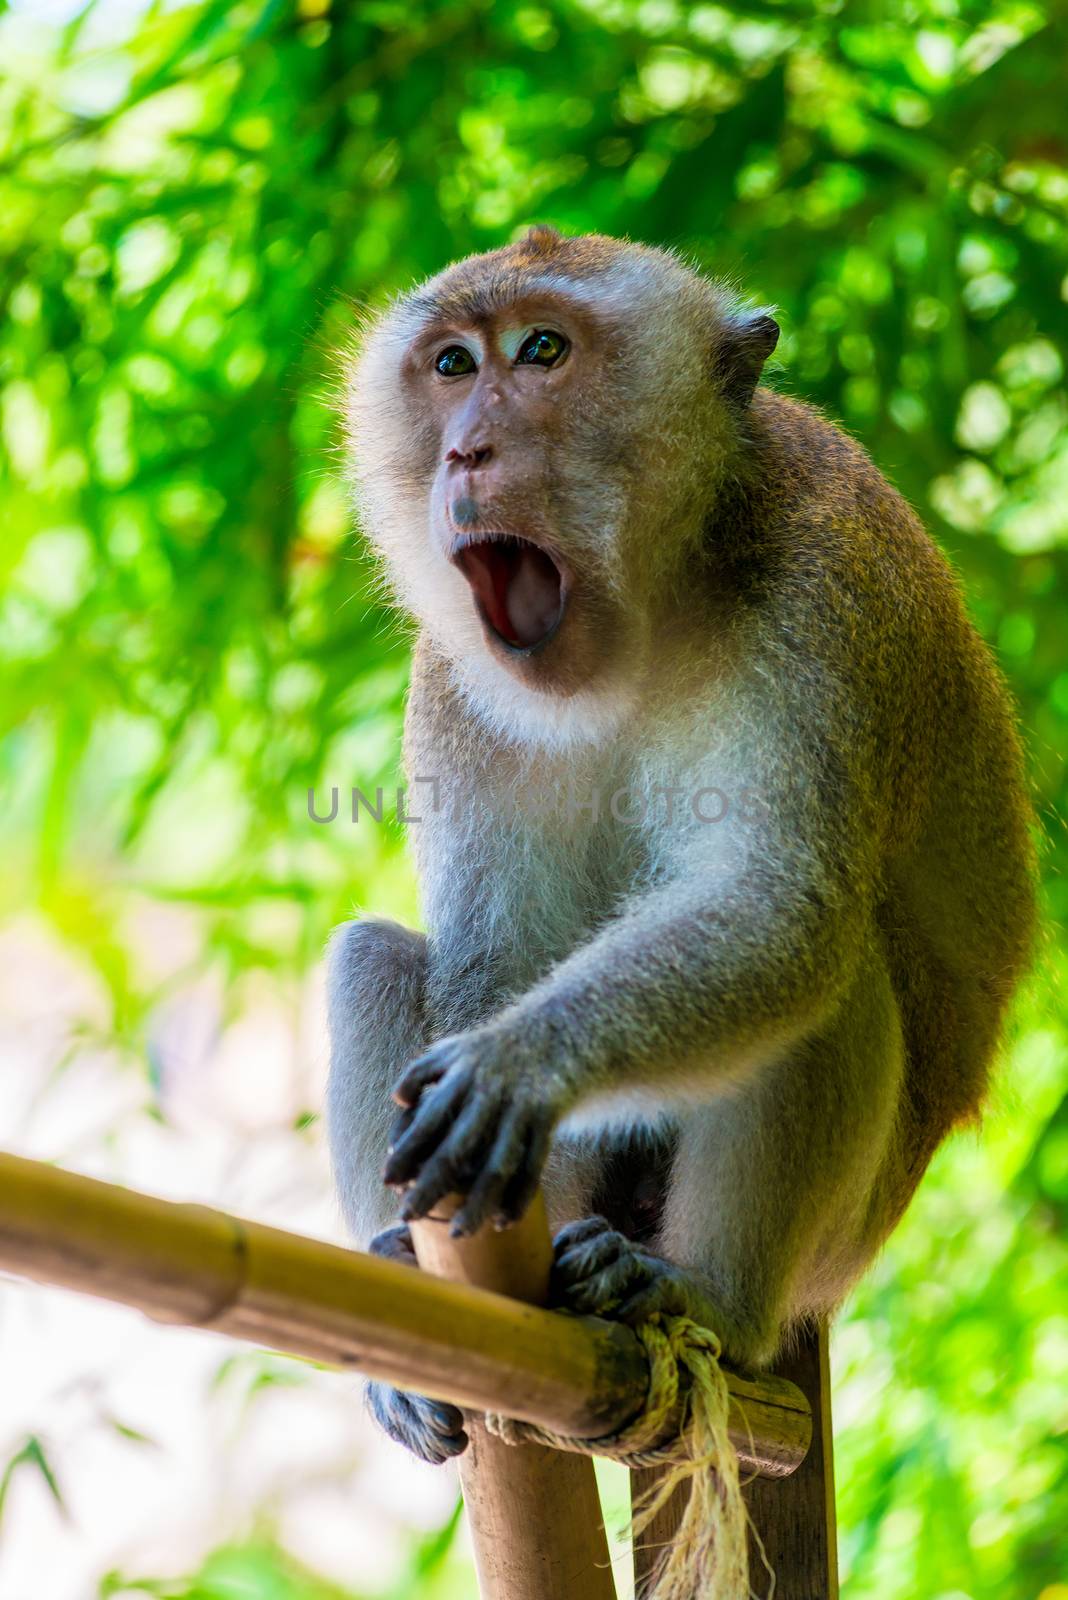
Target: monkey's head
(537, 437)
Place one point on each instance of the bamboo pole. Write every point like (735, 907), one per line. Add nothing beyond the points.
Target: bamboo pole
(796, 1520)
(188, 1264)
(534, 1513)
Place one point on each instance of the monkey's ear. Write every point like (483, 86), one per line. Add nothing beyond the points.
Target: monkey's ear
(747, 341)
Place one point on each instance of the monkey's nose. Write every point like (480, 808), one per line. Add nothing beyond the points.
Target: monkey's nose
(475, 456)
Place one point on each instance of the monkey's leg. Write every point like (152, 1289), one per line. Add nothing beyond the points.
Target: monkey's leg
(773, 1207)
(433, 1430)
(376, 983)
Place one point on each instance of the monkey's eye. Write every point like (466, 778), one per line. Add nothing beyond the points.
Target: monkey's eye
(543, 348)
(455, 362)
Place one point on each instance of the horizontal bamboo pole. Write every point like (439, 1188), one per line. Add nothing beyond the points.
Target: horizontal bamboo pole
(188, 1264)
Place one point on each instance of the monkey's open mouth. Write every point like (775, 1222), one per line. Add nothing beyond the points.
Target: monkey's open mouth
(517, 586)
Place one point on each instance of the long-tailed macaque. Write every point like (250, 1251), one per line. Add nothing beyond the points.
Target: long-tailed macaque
(724, 843)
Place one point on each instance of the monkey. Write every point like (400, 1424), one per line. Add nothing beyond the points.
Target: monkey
(726, 1035)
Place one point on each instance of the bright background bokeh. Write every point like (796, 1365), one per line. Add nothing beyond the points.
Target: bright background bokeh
(192, 199)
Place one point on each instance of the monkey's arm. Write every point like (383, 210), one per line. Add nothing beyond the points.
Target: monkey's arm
(693, 986)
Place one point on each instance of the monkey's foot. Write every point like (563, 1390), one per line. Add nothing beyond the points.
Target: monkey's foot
(433, 1430)
(600, 1272)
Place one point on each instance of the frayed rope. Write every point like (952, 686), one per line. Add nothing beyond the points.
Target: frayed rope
(709, 1557)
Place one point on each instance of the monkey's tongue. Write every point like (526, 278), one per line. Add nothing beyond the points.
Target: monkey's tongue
(517, 586)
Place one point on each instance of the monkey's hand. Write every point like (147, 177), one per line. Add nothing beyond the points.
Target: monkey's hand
(433, 1430)
(601, 1273)
(476, 1121)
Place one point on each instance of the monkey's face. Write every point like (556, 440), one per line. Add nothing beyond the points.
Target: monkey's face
(497, 391)
(527, 484)
(534, 439)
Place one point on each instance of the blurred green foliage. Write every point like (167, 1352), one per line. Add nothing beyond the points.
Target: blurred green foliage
(192, 198)
(260, 1570)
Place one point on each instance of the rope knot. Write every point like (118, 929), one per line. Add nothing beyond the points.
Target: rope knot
(683, 1425)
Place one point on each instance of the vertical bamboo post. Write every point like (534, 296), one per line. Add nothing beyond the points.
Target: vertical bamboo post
(794, 1516)
(534, 1514)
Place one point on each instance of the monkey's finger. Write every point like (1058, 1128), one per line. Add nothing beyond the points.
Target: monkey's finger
(621, 1279)
(447, 1446)
(593, 1255)
(573, 1233)
(425, 1069)
(436, 1417)
(491, 1182)
(436, 1182)
(436, 1112)
(479, 1203)
(504, 1192)
(587, 1296)
(456, 1160)
(399, 1127)
(394, 1244)
(601, 1293)
(446, 1420)
(497, 1171)
(445, 1172)
(643, 1304)
(520, 1191)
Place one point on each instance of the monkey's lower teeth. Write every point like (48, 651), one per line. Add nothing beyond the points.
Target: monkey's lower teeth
(518, 588)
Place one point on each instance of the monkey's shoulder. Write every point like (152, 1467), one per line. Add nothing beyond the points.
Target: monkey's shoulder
(828, 539)
(815, 479)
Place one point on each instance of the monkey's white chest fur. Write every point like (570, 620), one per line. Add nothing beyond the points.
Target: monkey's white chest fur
(528, 851)
(539, 722)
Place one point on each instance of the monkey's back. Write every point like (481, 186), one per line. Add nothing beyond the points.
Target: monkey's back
(928, 716)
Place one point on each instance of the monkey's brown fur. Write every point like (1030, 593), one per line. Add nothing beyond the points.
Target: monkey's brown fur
(744, 1045)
